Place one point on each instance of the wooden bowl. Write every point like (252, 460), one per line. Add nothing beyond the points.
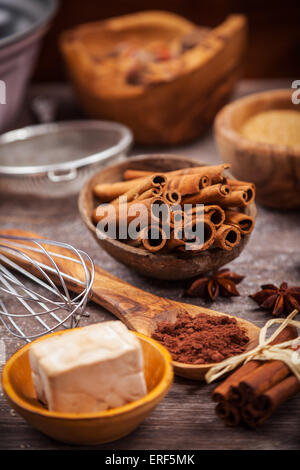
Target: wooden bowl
(89, 428)
(156, 265)
(275, 169)
(173, 110)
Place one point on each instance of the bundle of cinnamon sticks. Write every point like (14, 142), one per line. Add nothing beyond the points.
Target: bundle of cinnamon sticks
(253, 392)
(223, 218)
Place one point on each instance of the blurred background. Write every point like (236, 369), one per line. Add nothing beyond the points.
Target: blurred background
(274, 30)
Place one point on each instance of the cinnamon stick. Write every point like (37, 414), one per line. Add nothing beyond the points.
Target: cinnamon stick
(243, 221)
(160, 213)
(154, 239)
(238, 197)
(213, 172)
(186, 184)
(106, 192)
(254, 412)
(227, 237)
(137, 241)
(152, 182)
(265, 404)
(172, 195)
(193, 242)
(229, 413)
(126, 213)
(237, 183)
(223, 391)
(215, 213)
(215, 194)
(263, 378)
(152, 192)
(176, 218)
(109, 192)
(175, 240)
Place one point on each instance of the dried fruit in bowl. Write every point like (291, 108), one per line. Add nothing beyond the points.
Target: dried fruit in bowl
(161, 75)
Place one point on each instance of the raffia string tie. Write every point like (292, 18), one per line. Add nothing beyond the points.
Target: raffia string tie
(265, 351)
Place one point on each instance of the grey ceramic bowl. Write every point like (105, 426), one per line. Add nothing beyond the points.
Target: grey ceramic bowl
(23, 23)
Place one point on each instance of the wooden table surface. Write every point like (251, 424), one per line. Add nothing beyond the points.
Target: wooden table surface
(185, 419)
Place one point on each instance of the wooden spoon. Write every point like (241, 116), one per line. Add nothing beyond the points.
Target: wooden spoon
(138, 309)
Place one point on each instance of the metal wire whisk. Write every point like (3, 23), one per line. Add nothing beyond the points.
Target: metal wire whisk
(32, 306)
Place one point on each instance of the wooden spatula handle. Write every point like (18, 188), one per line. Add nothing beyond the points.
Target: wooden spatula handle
(133, 306)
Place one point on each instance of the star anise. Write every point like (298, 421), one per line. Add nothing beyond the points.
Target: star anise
(278, 300)
(222, 282)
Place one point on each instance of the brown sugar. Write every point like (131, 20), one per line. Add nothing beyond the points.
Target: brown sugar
(277, 127)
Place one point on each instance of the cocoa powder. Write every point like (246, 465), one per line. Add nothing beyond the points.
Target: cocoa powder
(202, 339)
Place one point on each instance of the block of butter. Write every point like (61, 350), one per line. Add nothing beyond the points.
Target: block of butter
(89, 369)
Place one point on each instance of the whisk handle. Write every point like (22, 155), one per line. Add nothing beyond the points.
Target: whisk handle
(135, 307)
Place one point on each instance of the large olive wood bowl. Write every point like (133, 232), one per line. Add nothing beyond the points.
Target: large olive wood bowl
(173, 110)
(159, 266)
(275, 169)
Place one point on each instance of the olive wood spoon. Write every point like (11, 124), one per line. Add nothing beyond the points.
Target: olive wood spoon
(138, 309)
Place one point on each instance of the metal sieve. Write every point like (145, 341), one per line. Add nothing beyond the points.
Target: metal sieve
(54, 160)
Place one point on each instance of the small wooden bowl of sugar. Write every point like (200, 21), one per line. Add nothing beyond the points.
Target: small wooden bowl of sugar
(259, 135)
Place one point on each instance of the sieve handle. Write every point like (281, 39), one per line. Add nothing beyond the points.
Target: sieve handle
(55, 177)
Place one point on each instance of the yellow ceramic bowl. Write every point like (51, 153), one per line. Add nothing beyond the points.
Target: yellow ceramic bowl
(89, 428)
